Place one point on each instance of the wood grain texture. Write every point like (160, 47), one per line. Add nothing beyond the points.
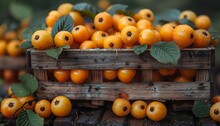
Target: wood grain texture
(110, 119)
(96, 59)
(110, 91)
(7, 62)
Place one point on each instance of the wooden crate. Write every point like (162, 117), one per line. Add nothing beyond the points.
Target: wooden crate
(96, 60)
(17, 63)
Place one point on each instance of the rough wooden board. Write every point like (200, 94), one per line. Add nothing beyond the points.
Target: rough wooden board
(182, 105)
(66, 121)
(109, 119)
(111, 91)
(207, 122)
(7, 62)
(96, 59)
(89, 117)
(135, 122)
(182, 120)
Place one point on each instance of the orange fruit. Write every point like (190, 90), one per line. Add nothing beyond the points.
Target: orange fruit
(103, 4)
(52, 17)
(98, 38)
(112, 42)
(9, 75)
(215, 112)
(3, 47)
(216, 99)
(79, 76)
(42, 40)
(29, 105)
(13, 48)
(145, 14)
(125, 21)
(110, 74)
(10, 35)
(144, 24)
(156, 111)
(156, 76)
(158, 36)
(215, 42)
(116, 18)
(189, 15)
(77, 18)
(61, 106)
(183, 35)
(126, 75)
(91, 28)
(65, 8)
(121, 107)
(88, 45)
(10, 93)
(148, 37)
(42, 108)
(62, 75)
(103, 21)
(203, 22)
(9, 106)
(63, 38)
(80, 34)
(202, 38)
(138, 109)
(188, 73)
(166, 32)
(167, 72)
(182, 79)
(129, 35)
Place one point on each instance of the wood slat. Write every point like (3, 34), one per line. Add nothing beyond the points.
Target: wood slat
(68, 120)
(182, 120)
(109, 119)
(110, 91)
(96, 59)
(90, 117)
(7, 62)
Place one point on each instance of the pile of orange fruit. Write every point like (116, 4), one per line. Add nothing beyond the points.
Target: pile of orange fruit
(11, 75)
(60, 106)
(215, 109)
(10, 40)
(155, 110)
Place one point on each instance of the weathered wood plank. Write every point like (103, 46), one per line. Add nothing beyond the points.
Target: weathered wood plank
(182, 120)
(109, 119)
(7, 62)
(111, 90)
(41, 75)
(90, 117)
(66, 121)
(96, 59)
(182, 105)
(206, 122)
(135, 122)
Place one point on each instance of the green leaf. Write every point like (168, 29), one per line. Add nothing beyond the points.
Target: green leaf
(64, 23)
(2, 124)
(215, 34)
(1, 99)
(117, 8)
(86, 9)
(140, 49)
(20, 11)
(201, 109)
(169, 15)
(165, 52)
(55, 52)
(28, 85)
(26, 44)
(29, 118)
(188, 22)
(1, 81)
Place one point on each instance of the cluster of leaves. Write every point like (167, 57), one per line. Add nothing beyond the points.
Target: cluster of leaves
(201, 109)
(163, 52)
(28, 86)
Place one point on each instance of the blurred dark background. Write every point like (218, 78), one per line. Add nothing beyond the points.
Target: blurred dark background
(40, 8)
